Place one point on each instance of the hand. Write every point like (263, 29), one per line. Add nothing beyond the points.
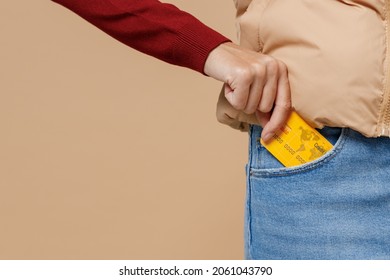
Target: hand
(228, 115)
(254, 83)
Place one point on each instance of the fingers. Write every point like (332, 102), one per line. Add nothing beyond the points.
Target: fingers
(262, 118)
(271, 101)
(228, 115)
(270, 98)
(255, 96)
(256, 87)
(282, 106)
(270, 89)
(254, 83)
(238, 87)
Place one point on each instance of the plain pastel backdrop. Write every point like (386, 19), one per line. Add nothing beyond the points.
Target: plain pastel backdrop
(106, 153)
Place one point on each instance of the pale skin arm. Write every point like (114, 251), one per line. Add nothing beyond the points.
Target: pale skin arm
(254, 84)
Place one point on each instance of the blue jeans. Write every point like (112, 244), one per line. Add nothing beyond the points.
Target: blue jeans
(337, 207)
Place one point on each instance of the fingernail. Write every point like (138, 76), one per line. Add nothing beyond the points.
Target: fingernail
(268, 137)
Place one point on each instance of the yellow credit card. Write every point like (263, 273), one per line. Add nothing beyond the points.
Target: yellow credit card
(297, 143)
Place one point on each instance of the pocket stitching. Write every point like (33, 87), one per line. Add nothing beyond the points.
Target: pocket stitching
(280, 172)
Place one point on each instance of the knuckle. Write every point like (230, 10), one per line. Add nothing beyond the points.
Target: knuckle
(273, 67)
(244, 74)
(282, 67)
(255, 68)
(259, 69)
(268, 58)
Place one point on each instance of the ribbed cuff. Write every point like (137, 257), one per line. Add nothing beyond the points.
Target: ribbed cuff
(195, 44)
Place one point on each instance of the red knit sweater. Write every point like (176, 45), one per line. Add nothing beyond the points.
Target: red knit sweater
(152, 27)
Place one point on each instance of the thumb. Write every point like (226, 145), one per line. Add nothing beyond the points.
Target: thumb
(236, 94)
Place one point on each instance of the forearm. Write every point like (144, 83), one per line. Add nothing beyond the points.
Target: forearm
(158, 29)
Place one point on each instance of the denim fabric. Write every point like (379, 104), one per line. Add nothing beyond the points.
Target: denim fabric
(337, 207)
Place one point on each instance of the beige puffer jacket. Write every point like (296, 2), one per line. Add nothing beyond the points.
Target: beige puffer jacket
(337, 53)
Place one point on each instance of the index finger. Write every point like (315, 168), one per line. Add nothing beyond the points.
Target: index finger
(282, 108)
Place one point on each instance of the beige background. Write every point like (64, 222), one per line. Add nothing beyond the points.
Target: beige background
(106, 153)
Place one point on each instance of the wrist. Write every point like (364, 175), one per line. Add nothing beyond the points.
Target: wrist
(216, 59)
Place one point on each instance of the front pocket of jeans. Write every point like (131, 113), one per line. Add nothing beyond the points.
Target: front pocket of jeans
(270, 167)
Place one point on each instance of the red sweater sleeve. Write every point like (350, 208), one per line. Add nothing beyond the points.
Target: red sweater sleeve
(158, 29)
